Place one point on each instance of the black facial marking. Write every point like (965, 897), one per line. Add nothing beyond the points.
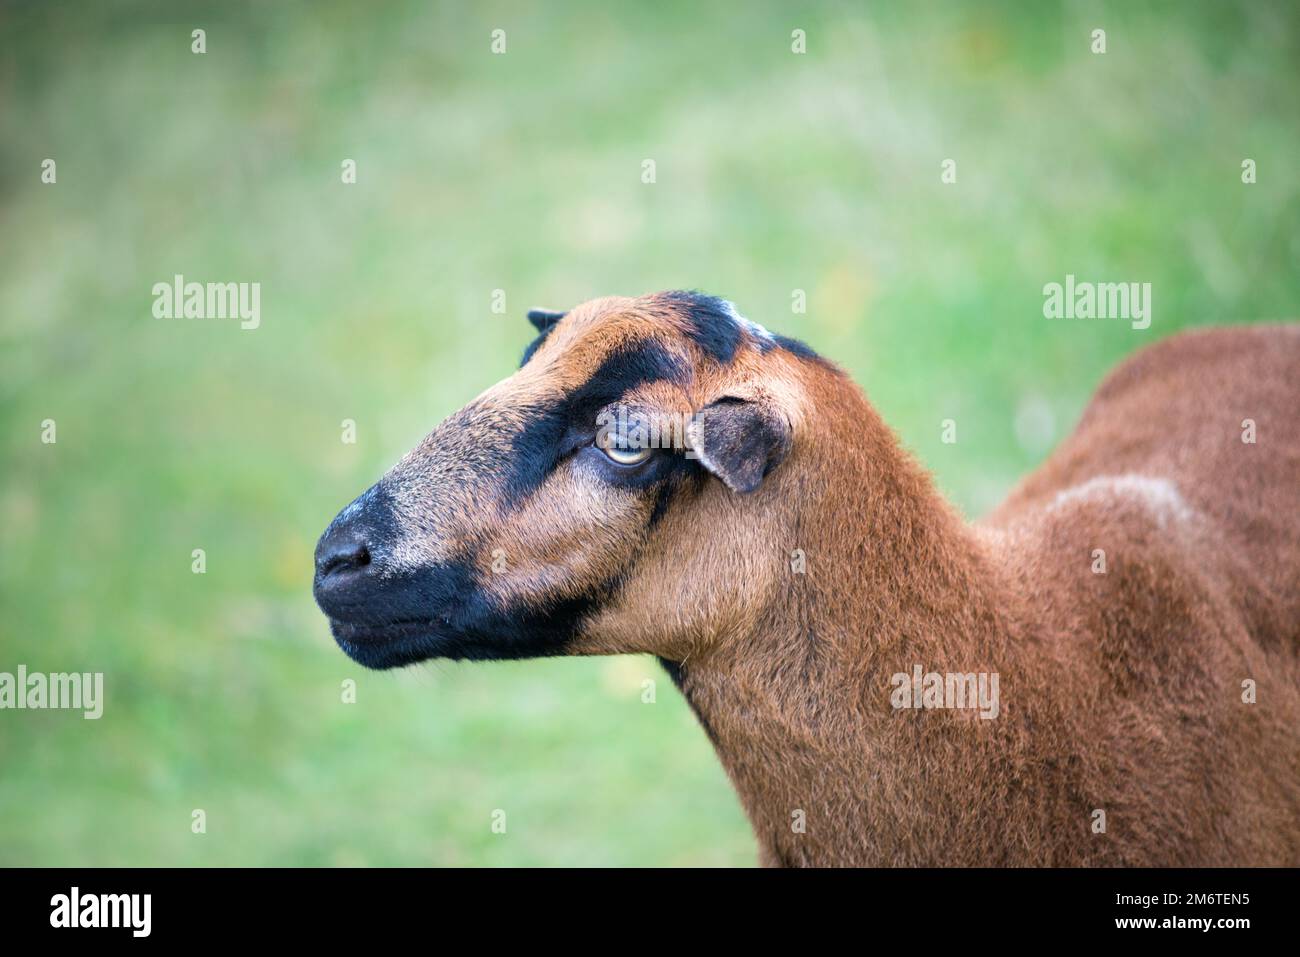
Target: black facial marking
(482, 630)
(477, 628)
(442, 611)
(680, 476)
(536, 448)
(712, 325)
(802, 350)
(625, 369)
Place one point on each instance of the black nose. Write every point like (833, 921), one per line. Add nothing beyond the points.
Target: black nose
(356, 578)
(342, 550)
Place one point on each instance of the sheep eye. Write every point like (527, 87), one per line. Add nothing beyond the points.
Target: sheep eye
(626, 457)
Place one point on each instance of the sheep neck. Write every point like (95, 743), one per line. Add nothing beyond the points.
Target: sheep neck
(799, 705)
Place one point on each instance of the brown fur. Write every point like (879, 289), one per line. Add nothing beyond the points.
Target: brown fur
(1120, 691)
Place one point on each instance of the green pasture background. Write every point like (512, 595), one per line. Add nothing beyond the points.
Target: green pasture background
(776, 172)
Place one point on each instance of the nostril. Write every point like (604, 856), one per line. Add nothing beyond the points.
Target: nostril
(342, 557)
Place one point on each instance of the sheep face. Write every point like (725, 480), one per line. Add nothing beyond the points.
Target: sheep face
(621, 492)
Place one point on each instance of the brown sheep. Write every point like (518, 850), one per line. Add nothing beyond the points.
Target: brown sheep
(1125, 627)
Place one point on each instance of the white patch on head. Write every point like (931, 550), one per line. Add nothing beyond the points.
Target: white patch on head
(753, 328)
(1159, 495)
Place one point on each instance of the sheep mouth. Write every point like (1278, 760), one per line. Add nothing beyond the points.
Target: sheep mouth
(391, 645)
(470, 629)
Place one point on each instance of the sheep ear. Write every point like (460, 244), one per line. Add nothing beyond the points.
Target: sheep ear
(544, 319)
(740, 441)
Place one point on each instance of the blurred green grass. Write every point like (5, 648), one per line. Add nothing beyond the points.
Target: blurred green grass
(521, 172)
